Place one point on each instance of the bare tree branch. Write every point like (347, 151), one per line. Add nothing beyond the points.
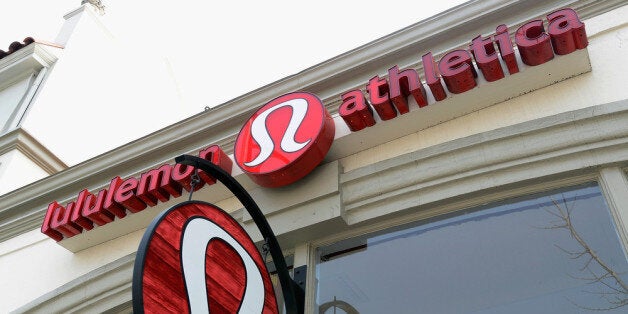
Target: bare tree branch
(618, 295)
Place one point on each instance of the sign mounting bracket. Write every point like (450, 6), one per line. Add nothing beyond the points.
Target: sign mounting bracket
(294, 304)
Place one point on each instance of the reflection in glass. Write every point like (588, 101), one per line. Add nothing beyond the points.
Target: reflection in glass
(337, 307)
(281, 306)
(510, 257)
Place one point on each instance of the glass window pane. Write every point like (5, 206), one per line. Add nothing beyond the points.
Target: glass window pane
(556, 252)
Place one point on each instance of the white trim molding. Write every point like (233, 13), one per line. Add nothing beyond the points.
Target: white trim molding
(615, 186)
(19, 139)
(30, 59)
(566, 144)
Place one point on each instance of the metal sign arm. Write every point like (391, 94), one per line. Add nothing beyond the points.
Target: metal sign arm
(293, 305)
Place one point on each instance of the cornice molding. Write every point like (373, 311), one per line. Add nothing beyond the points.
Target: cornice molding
(25, 61)
(572, 143)
(19, 139)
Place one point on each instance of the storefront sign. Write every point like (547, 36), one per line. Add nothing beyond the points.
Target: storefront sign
(388, 96)
(195, 258)
(130, 194)
(289, 136)
(285, 139)
(281, 143)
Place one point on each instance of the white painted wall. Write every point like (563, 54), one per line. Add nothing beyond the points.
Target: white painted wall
(17, 170)
(102, 93)
(33, 264)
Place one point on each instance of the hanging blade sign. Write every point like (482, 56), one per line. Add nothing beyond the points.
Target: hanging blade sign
(195, 258)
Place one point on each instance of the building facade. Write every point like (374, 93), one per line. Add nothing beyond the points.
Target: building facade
(491, 194)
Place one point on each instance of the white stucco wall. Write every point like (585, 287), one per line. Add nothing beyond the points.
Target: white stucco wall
(106, 92)
(33, 264)
(17, 170)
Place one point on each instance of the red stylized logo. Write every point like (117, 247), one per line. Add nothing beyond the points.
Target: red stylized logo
(195, 258)
(285, 139)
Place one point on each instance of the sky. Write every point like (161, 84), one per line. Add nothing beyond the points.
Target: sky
(208, 45)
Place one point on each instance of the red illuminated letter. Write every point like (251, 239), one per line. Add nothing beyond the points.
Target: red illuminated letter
(155, 185)
(378, 90)
(183, 175)
(355, 111)
(213, 154)
(431, 78)
(566, 31)
(486, 58)
(93, 209)
(46, 228)
(77, 216)
(125, 195)
(218, 157)
(504, 44)
(534, 44)
(403, 84)
(457, 71)
(61, 221)
(110, 204)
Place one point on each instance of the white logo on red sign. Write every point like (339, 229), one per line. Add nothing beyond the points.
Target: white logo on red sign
(195, 258)
(260, 133)
(285, 139)
(197, 234)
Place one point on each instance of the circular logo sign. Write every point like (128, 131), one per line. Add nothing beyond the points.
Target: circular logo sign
(285, 139)
(195, 258)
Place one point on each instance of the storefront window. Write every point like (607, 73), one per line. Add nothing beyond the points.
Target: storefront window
(556, 252)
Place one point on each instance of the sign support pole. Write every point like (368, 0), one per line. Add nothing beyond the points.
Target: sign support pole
(294, 304)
